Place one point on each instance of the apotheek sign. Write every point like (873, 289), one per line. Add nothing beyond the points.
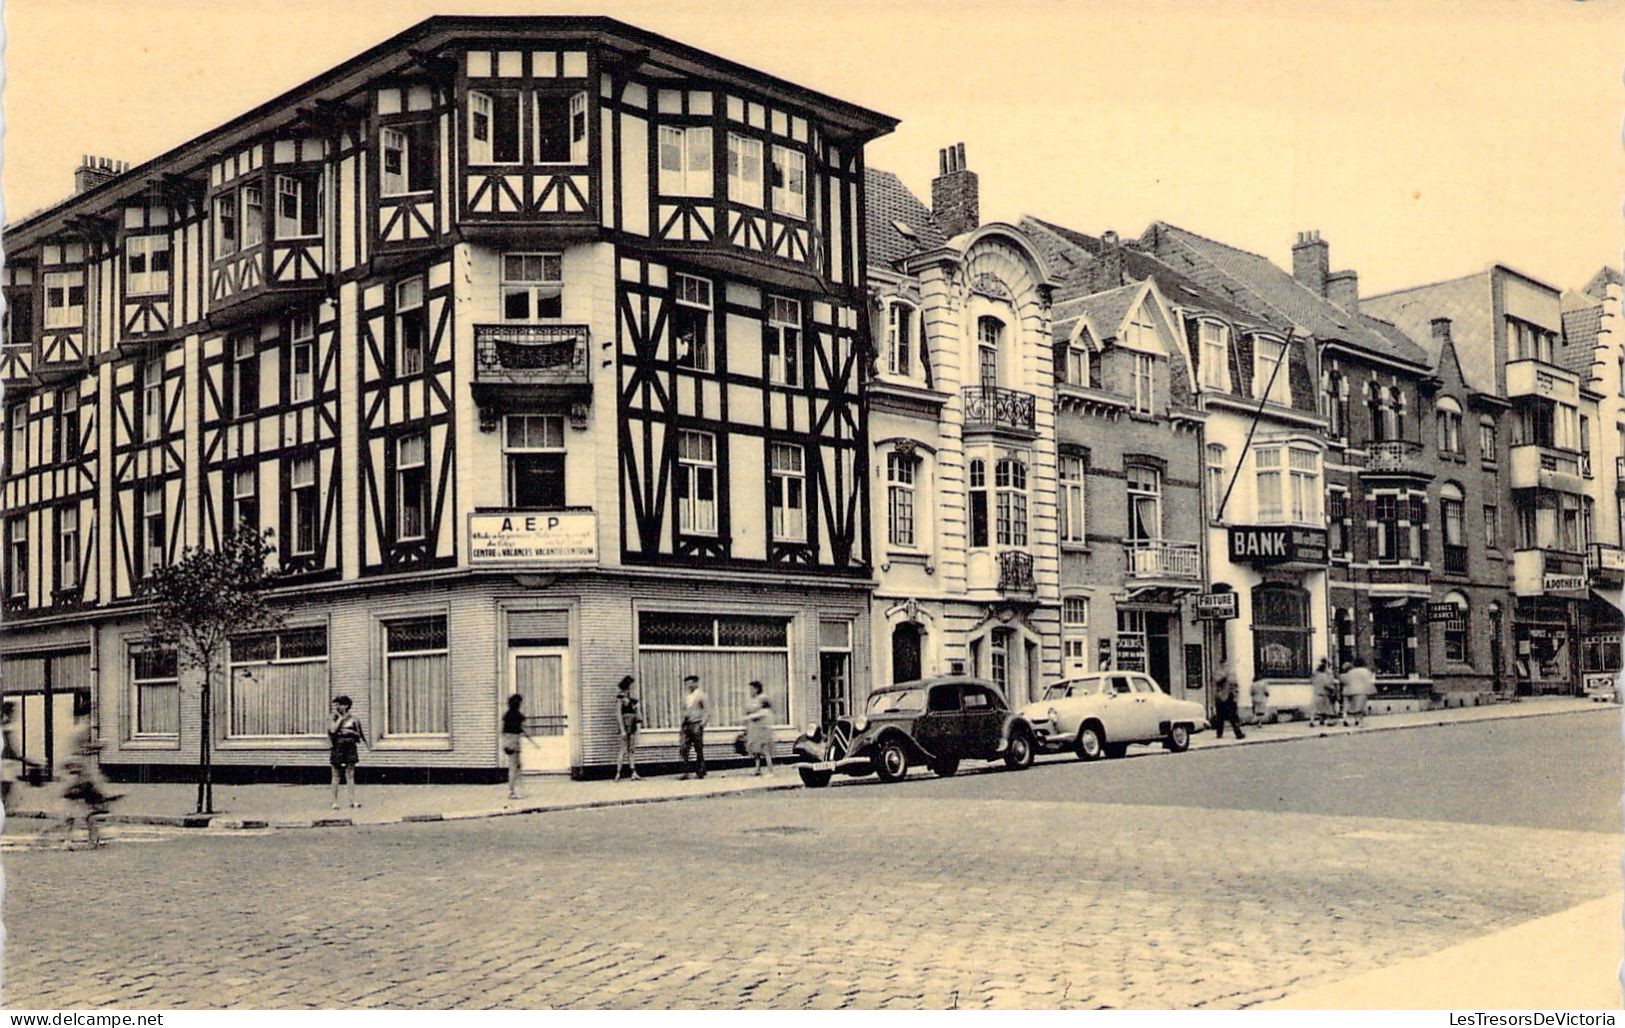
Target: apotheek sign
(553, 537)
(1563, 583)
(1268, 544)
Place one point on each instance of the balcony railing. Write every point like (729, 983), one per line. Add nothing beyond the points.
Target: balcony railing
(1016, 572)
(1393, 456)
(1158, 558)
(998, 407)
(531, 354)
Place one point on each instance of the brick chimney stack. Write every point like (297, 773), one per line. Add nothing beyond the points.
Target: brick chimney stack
(955, 193)
(1311, 261)
(93, 171)
(1109, 273)
(1343, 289)
(1441, 330)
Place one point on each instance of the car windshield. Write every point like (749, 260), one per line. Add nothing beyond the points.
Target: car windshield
(905, 701)
(1081, 687)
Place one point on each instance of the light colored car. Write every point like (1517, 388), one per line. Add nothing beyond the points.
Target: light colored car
(1103, 713)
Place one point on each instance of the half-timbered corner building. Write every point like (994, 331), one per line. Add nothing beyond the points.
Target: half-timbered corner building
(536, 343)
(963, 432)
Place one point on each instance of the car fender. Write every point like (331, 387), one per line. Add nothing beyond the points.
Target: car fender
(868, 745)
(1012, 724)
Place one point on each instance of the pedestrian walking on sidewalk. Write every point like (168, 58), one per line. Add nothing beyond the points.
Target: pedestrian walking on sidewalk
(1326, 693)
(345, 734)
(1358, 686)
(631, 720)
(759, 728)
(11, 757)
(513, 740)
(1225, 690)
(1261, 701)
(694, 718)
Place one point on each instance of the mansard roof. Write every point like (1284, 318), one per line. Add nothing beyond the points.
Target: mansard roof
(1466, 302)
(407, 51)
(1253, 281)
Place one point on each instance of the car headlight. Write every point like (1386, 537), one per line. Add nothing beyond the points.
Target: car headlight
(1053, 715)
(860, 723)
(812, 729)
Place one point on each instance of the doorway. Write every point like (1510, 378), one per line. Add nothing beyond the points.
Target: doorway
(905, 652)
(543, 676)
(1158, 651)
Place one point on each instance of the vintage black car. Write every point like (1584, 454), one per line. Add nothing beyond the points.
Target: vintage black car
(935, 721)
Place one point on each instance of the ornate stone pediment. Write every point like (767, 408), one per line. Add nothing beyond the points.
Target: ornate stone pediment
(992, 287)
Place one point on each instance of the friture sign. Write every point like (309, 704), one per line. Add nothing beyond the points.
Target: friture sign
(551, 537)
(1216, 606)
(1277, 544)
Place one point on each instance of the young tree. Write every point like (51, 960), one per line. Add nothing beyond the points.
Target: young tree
(196, 605)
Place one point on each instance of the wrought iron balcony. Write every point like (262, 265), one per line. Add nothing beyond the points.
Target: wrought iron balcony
(1397, 456)
(1016, 572)
(531, 354)
(1159, 558)
(994, 407)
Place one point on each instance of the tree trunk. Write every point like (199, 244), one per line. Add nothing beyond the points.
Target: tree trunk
(205, 779)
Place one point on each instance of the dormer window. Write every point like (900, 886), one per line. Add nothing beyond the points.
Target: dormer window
(1075, 361)
(989, 334)
(1215, 351)
(299, 205)
(1142, 330)
(146, 264)
(1268, 375)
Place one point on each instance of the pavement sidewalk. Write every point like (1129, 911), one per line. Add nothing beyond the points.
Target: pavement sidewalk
(1567, 961)
(310, 806)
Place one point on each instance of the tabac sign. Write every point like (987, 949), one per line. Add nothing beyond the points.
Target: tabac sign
(547, 537)
(1277, 544)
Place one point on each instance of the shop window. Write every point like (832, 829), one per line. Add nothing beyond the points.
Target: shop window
(1281, 632)
(278, 684)
(416, 701)
(155, 684)
(1455, 629)
(726, 651)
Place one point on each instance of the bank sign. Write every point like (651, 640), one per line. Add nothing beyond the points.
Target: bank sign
(1270, 544)
(552, 537)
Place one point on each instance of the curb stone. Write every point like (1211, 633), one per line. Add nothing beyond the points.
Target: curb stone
(218, 822)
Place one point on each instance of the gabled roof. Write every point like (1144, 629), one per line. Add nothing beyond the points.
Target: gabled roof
(891, 208)
(1466, 302)
(1079, 252)
(1253, 282)
(1103, 312)
(1602, 280)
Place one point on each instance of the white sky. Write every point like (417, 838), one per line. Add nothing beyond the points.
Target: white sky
(1424, 139)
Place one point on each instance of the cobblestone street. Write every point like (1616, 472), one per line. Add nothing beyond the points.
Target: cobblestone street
(928, 894)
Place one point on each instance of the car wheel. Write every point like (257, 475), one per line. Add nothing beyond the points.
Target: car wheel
(1091, 743)
(1116, 750)
(946, 766)
(814, 779)
(1179, 738)
(891, 762)
(1018, 755)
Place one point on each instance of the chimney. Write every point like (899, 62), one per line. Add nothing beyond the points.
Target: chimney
(1343, 289)
(1108, 272)
(955, 200)
(1441, 330)
(1311, 261)
(93, 171)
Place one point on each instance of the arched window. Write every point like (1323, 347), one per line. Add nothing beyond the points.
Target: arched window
(989, 336)
(901, 329)
(1375, 407)
(1453, 519)
(1455, 630)
(1281, 631)
(1448, 422)
(1396, 402)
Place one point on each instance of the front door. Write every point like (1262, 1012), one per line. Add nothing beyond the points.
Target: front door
(905, 653)
(1158, 662)
(544, 677)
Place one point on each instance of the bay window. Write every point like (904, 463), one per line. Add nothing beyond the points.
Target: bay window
(407, 158)
(1010, 491)
(789, 181)
(1267, 461)
(252, 217)
(225, 225)
(1304, 467)
(299, 205)
(64, 299)
(561, 129)
(744, 170)
(685, 161)
(493, 128)
(978, 503)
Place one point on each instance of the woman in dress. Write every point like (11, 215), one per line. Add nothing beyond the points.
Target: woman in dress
(631, 720)
(513, 736)
(345, 734)
(759, 728)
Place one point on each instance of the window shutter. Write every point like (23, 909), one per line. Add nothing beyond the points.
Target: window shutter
(538, 627)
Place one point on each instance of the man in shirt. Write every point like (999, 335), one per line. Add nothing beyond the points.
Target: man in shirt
(1225, 689)
(694, 714)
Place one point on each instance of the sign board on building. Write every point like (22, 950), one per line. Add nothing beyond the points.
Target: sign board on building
(1216, 606)
(1277, 544)
(1563, 583)
(1608, 558)
(1131, 653)
(1103, 654)
(551, 537)
(1443, 612)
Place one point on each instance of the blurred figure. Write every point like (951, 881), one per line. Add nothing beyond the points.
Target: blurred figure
(1358, 686)
(11, 758)
(513, 738)
(1225, 689)
(1326, 693)
(88, 798)
(759, 728)
(631, 721)
(1261, 701)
